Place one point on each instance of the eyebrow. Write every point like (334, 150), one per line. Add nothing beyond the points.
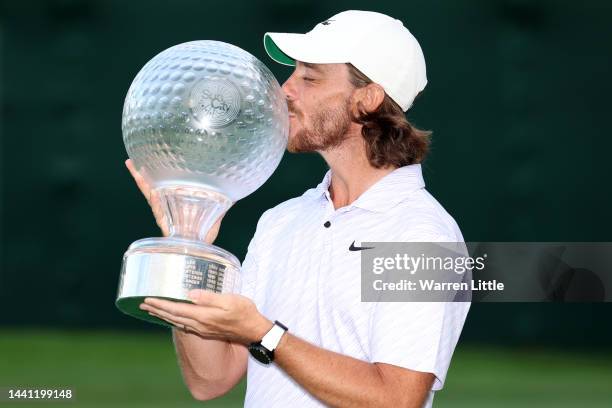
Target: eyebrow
(314, 67)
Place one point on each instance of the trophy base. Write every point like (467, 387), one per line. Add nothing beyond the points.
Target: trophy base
(168, 268)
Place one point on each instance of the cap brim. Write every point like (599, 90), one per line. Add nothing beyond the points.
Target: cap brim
(286, 48)
(275, 52)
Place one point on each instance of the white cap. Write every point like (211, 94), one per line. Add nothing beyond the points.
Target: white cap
(377, 45)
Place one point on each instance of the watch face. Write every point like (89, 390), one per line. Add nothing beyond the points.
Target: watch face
(260, 353)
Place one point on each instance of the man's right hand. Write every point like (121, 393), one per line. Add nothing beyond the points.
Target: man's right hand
(152, 197)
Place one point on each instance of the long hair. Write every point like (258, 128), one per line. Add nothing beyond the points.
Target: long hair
(391, 140)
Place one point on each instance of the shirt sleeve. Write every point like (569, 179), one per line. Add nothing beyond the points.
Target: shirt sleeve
(420, 336)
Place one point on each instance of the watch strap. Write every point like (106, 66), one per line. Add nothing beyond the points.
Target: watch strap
(272, 338)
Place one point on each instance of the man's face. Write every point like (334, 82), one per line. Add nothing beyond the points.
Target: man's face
(318, 96)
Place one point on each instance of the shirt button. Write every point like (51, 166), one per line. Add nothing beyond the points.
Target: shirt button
(327, 224)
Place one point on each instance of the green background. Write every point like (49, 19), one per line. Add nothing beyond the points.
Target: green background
(518, 100)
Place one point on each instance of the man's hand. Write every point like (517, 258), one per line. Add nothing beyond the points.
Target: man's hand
(155, 203)
(151, 196)
(213, 316)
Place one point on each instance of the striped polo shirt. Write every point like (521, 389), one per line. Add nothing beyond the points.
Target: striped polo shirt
(299, 270)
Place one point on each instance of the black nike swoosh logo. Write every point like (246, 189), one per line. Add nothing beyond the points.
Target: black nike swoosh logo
(354, 248)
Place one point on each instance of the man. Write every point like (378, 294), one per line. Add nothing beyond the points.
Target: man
(355, 76)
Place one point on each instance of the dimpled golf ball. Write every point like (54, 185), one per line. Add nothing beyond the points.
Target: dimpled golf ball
(206, 114)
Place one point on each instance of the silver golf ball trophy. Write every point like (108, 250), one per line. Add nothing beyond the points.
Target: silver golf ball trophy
(206, 124)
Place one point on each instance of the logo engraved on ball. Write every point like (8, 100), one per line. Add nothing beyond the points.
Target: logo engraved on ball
(214, 102)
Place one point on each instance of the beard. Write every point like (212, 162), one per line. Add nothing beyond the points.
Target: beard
(329, 129)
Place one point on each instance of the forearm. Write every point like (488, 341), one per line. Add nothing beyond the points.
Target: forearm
(339, 380)
(210, 367)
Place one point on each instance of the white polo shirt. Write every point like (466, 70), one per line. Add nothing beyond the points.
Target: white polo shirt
(299, 270)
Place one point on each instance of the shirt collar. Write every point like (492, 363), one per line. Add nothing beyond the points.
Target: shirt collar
(382, 195)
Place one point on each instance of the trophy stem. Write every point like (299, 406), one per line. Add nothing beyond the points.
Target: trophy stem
(192, 211)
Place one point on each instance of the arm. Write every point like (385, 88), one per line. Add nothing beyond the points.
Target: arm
(339, 380)
(210, 368)
(333, 378)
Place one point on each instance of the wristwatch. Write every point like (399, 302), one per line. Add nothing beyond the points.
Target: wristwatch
(263, 351)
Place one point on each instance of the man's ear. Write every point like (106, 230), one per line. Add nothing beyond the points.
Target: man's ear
(369, 98)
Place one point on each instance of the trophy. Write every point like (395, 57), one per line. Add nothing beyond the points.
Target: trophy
(206, 124)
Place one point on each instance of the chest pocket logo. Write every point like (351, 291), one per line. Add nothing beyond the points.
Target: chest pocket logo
(357, 248)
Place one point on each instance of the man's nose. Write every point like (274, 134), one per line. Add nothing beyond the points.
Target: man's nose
(288, 89)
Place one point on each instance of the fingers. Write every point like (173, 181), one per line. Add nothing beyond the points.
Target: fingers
(221, 217)
(184, 323)
(213, 232)
(207, 298)
(180, 309)
(140, 181)
(151, 196)
(181, 326)
(130, 166)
